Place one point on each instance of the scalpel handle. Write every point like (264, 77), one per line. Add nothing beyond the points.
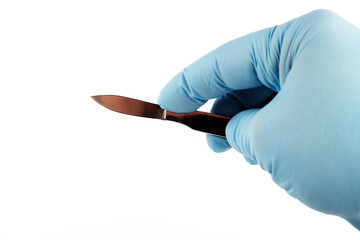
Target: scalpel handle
(201, 121)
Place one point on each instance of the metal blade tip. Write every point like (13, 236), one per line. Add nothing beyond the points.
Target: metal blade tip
(96, 98)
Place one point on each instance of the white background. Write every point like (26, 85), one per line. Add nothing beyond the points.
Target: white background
(70, 169)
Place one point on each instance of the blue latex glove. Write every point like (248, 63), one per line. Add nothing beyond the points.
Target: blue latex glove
(308, 136)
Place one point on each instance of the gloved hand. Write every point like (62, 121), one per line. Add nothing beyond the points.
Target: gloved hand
(308, 136)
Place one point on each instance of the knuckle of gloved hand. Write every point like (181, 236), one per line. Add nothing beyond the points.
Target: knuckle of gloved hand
(324, 20)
